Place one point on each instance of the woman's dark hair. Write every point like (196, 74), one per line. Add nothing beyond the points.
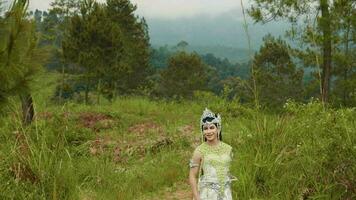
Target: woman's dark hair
(209, 119)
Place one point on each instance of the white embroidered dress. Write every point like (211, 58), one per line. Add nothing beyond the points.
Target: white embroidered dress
(215, 182)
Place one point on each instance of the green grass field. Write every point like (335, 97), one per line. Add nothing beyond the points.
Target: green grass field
(137, 148)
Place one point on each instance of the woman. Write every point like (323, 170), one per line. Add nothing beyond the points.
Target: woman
(211, 160)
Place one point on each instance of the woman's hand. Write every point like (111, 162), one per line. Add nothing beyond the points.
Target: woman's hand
(193, 173)
(193, 182)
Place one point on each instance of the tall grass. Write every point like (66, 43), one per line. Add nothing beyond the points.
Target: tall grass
(51, 159)
(306, 152)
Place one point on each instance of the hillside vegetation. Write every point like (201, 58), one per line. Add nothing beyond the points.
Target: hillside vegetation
(135, 148)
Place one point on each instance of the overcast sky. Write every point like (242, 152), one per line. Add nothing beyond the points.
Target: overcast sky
(170, 9)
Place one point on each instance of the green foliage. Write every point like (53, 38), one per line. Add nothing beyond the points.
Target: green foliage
(326, 35)
(51, 25)
(277, 77)
(219, 71)
(75, 151)
(182, 45)
(136, 44)
(185, 74)
(159, 57)
(225, 68)
(57, 162)
(344, 24)
(72, 89)
(222, 70)
(239, 88)
(20, 57)
(109, 45)
(227, 102)
(305, 152)
(265, 10)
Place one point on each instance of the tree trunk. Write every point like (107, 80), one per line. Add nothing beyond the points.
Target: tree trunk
(62, 85)
(115, 91)
(325, 27)
(98, 91)
(28, 111)
(87, 91)
(86, 94)
(346, 67)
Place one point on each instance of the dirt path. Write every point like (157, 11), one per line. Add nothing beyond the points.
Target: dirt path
(181, 191)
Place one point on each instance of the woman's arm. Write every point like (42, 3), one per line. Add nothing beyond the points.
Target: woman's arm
(193, 172)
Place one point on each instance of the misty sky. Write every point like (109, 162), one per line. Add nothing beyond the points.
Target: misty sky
(199, 22)
(169, 9)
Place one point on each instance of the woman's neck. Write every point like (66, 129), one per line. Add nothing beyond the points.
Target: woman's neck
(213, 142)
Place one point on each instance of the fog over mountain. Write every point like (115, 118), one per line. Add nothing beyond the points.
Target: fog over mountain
(222, 35)
(199, 22)
(223, 30)
(208, 27)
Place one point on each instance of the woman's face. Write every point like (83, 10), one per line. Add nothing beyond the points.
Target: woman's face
(210, 132)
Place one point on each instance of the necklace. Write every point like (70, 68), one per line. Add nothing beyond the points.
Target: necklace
(217, 149)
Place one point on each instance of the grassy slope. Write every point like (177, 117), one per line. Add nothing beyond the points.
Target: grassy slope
(134, 148)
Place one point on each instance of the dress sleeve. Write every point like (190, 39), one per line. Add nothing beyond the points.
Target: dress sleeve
(195, 161)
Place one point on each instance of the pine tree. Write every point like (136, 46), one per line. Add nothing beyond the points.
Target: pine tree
(344, 58)
(185, 74)
(292, 10)
(20, 58)
(277, 77)
(109, 44)
(136, 44)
